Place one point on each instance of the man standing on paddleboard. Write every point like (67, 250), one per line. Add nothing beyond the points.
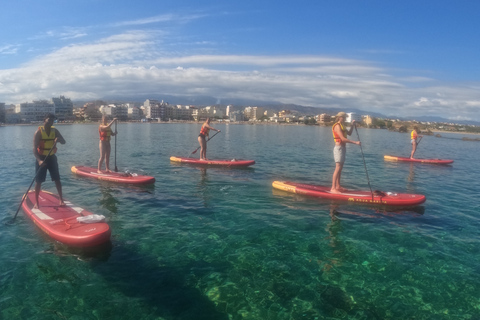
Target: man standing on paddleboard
(340, 134)
(414, 136)
(44, 149)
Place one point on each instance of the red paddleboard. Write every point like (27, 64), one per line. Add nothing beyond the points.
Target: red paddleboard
(118, 177)
(431, 161)
(60, 222)
(221, 163)
(380, 198)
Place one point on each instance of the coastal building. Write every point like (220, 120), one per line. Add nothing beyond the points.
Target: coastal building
(323, 118)
(10, 115)
(178, 112)
(236, 116)
(90, 111)
(368, 120)
(353, 116)
(34, 111)
(134, 113)
(200, 114)
(155, 109)
(254, 113)
(215, 112)
(119, 111)
(229, 110)
(63, 108)
(268, 113)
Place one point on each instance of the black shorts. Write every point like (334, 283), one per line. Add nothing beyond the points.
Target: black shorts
(201, 136)
(51, 165)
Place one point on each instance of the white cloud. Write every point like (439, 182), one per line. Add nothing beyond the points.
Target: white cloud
(8, 49)
(134, 63)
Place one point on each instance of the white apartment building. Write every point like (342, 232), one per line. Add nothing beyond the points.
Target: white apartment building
(155, 109)
(34, 111)
(353, 116)
(63, 108)
(134, 113)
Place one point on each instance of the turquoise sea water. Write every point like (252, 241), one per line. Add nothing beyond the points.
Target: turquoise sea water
(222, 244)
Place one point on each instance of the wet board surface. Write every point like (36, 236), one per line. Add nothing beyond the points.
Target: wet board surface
(380, 198)
(60, 222)
(117, 177)
(430, 161)
(217, 162)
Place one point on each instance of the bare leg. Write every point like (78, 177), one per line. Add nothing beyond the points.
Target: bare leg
(203, 147)
(102, 157)
(336, 178)
(38, 186)
(107, 156)
(58, 184)
(414, 148)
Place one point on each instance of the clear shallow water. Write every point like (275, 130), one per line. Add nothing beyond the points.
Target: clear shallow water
(221, 244)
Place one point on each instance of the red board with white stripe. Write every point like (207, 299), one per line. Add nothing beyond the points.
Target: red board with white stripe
(60, 222)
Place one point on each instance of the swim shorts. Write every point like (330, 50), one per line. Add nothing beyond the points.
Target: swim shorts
(339, 153)
(51, 165)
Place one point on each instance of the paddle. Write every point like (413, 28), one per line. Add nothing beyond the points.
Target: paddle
(364, 163)
(419, 141)
(36, 174)
(207, 141)
(116, 169)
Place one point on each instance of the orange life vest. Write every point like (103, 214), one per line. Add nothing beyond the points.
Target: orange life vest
(46, 141)
(204, 131)
(335, 135)
(105, 134)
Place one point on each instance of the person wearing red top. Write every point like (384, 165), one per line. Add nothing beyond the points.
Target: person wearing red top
(204, 131)
(105, 132)
(340, 134)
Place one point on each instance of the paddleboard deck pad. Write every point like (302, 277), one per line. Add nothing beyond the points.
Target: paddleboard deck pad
(60, 222)
(118, 177)
(218, 163)
(379, 198)
(430, 161)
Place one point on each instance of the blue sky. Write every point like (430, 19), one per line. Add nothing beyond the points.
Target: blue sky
(399, 58)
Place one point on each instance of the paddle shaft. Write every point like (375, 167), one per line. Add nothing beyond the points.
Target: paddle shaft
(419, 141)
(207, 141)
(33, 180)
(364, 163)
(116, 169)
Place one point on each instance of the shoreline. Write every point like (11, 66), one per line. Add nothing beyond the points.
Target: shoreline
(225, 122)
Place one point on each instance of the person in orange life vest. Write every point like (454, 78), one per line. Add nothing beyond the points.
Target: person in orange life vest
(414, 136)
(44, 140)
(105, 132)
(340, 134)
(201, 138)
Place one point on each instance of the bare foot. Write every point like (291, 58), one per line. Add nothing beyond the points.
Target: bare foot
(99, 171)
(109, 171)
(342, 189)
(334, 191)
(36, 206)
(61, 204)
